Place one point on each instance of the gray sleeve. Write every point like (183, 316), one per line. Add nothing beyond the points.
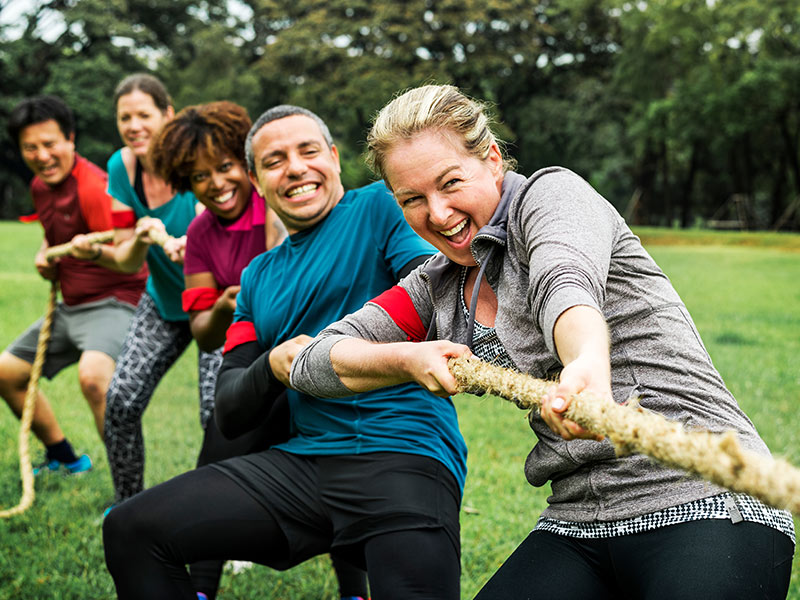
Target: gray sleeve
(312, 370)
(569, 232)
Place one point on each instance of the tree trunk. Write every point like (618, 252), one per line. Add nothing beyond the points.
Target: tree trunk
(686, 196)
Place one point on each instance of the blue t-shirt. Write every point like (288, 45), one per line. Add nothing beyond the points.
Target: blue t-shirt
(165, 283)
(314, 278)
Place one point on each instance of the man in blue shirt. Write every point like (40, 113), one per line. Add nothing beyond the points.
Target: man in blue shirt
(377, 476)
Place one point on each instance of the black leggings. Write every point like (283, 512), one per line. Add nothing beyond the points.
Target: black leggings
(204, 515)
(711, 559)
(206, 574)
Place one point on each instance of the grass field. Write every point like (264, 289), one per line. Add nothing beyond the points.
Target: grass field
(745, 299)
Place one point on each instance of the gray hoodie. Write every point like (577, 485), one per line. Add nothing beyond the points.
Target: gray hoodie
(554, 243)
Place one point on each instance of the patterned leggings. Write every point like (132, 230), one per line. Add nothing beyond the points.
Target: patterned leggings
(151, 346)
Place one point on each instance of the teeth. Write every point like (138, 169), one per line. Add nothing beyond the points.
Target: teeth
(303, 189)
(454, 230)
(222, 199)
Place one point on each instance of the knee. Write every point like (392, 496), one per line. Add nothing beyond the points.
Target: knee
(121, 535)
(14, 374)
(94, 387)
(127, 532)
(124, 406)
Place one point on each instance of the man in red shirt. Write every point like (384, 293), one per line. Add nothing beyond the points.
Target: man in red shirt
(69, 194)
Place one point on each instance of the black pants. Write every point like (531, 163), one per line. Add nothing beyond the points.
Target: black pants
(708, 560)
(206, 574)
(204, 515)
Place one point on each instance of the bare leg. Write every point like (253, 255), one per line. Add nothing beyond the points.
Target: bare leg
(95, 370)
(14, 376)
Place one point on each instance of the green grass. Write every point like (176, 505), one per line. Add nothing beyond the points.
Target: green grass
(744, 297)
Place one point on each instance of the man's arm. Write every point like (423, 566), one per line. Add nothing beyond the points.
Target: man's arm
(411, 265)
(47, 269)
(131, 242)
(249, 382)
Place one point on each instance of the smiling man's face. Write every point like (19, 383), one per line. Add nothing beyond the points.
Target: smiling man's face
(296, 171)
(47, 151)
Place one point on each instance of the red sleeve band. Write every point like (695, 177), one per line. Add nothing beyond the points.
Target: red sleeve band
(239, 333)
(123, 219)
(199, 298)
(31, 218)
(398, 304)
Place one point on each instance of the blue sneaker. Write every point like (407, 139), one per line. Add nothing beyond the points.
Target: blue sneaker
(83, 464)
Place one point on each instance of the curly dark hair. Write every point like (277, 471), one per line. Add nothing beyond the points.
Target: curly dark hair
(217, 129)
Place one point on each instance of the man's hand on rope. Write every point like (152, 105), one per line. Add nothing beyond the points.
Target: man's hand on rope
(581, 375)
(48, 269)
(84, 248)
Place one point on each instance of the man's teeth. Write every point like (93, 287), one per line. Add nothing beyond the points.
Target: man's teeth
(303, 189)
(454, 230)
(222, 199)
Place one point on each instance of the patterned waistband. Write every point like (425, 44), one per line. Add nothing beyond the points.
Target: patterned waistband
(735, 507)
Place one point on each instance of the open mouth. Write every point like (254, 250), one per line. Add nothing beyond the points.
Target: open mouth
(138, 140)
(458, 233)
(48, 170)
(302, 190)
(454, 230)
(223, 198)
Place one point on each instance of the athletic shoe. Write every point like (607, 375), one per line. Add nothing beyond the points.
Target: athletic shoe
(83, 464)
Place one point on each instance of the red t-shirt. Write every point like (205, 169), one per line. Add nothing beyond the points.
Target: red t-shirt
(80, 204)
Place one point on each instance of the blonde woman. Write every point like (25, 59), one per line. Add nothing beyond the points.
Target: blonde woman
(541, 274)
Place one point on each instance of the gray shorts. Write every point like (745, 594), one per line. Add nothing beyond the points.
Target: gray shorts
(99, 326)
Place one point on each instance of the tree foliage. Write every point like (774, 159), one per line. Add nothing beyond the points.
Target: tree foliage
(678, 111)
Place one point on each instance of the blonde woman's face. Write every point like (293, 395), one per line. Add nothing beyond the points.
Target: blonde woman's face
(139, 119)
(446, 194)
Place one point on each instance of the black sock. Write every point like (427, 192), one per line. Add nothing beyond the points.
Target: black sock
(61, 451)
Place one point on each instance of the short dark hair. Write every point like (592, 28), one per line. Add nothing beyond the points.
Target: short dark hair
(216, 128)
(148, 84)
(38, 109)
(279, 112)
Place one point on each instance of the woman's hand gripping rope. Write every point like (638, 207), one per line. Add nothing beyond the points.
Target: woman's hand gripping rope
(152, 231)
(716, 457)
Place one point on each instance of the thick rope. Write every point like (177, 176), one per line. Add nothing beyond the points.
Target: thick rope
(25, 467)
(716, 457)
(101, 237)
(159, 236)
(96, 237)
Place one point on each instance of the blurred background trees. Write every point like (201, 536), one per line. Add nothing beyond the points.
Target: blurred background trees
(681, 112)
